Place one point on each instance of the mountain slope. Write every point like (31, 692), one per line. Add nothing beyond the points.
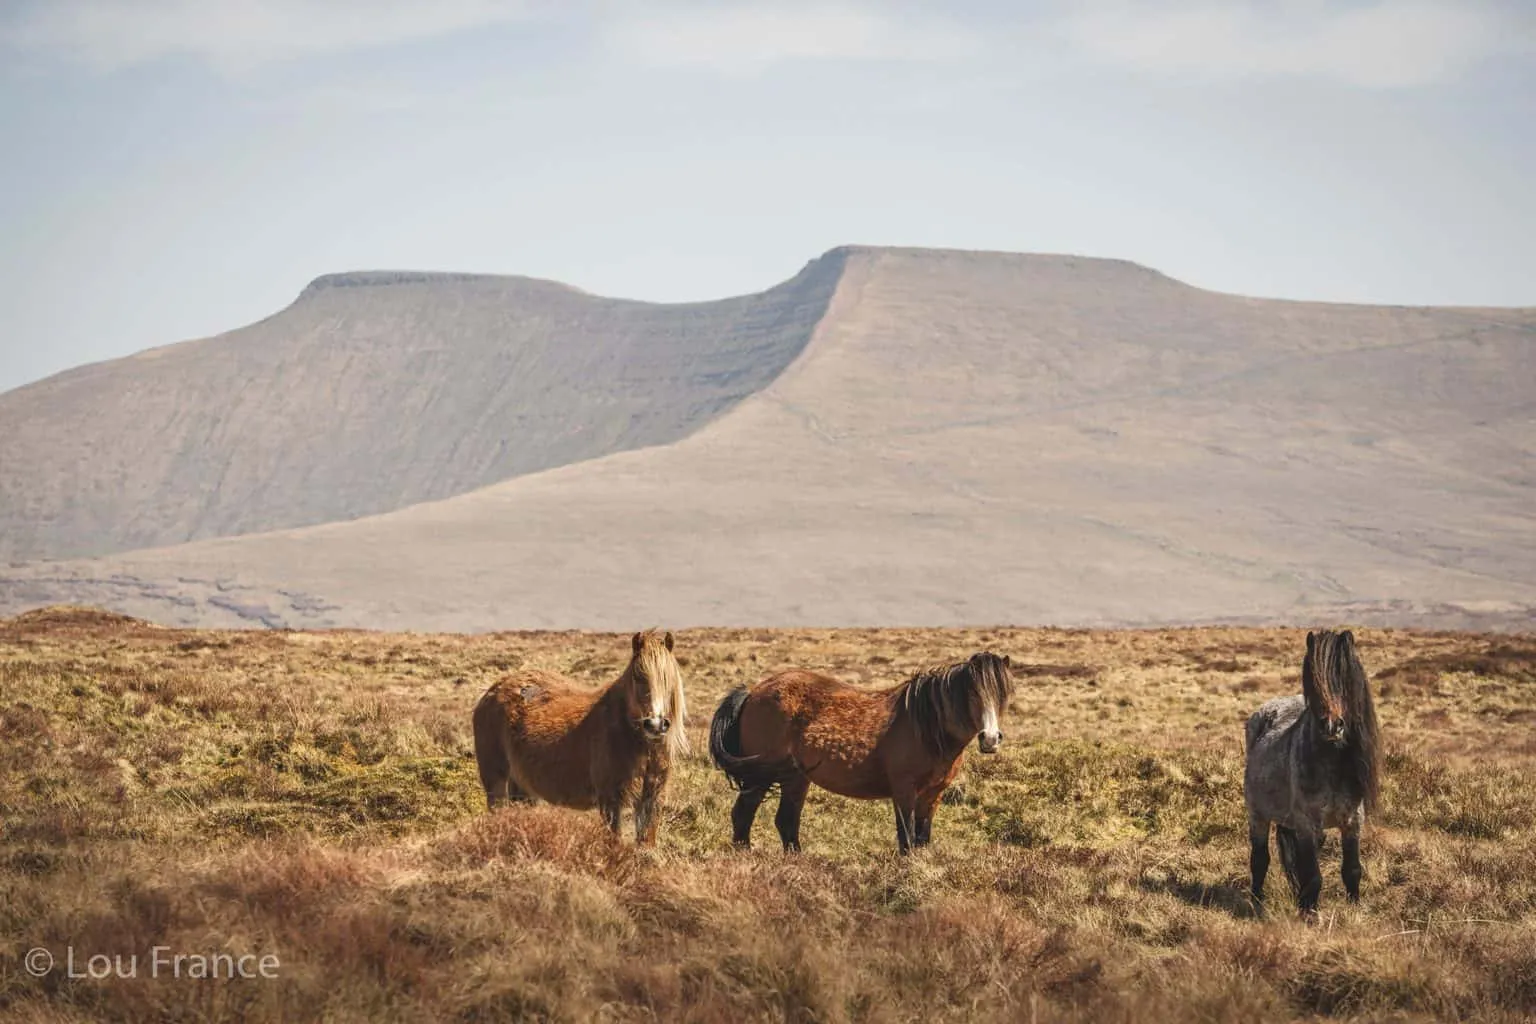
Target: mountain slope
(974, 438)
(370, 393)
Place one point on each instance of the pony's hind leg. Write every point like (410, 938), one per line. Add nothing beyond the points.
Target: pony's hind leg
(1350, 839)
(1258, 859)
(496, 778)
(1298, 855)
(791, 802)
(742, 814)
(495, 793)
(492, 757)
(503, 789)
(1285, 841)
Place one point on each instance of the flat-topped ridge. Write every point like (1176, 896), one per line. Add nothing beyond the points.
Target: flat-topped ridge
(373, 391)
(384, 278)
(1041, 260)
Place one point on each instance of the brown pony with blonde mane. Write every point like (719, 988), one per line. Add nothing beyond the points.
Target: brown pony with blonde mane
(901, 744)
(539, 736)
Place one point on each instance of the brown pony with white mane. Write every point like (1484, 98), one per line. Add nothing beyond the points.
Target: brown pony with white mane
(539, 735)
(901, 744)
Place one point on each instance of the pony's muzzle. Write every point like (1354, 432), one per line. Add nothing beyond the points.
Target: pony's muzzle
(1333, 730)
(655, 728)
(987, 742)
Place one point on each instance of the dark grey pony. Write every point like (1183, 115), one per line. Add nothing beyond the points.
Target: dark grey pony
(1313, 763)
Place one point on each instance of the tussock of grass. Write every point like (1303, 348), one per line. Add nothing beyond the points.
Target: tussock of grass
(314, 795)
(1476, 801)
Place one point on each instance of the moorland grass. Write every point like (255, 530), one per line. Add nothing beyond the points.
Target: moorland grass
(314, 796)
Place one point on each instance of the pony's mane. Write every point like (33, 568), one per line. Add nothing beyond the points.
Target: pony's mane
(1332, 671)
(939, 697)
(655, 661)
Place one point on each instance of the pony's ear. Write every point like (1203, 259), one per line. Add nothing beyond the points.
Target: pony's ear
(1007, 661)
(1311, 641)
(667, 639)
(638, 642)
(1348, 637)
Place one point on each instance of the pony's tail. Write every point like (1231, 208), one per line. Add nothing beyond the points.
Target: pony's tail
(744, 771)
(1285, 839)
(725, 737)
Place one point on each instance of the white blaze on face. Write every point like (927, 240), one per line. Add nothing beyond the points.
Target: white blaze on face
(989, 718)
(658, 703)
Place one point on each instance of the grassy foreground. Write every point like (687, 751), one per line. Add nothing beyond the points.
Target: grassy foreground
(312, 797)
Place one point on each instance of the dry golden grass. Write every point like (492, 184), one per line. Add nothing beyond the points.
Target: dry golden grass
(313, 796)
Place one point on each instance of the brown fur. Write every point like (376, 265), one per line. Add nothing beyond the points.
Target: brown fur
(539, 735)
(901, 744)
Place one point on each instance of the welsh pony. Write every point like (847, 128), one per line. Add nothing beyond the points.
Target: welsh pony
(901, 744)
(539, 735)
(1313, 763)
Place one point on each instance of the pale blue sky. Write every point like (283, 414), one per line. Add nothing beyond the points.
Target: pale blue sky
(176, 168)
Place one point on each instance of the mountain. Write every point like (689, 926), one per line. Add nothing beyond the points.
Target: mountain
(970, 438)
(370, 393)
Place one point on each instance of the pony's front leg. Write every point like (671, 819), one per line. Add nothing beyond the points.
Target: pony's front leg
(923, 826)
(1258, 859)
(648, 810)
(611, 808)
(906, 825)
(1349, 837)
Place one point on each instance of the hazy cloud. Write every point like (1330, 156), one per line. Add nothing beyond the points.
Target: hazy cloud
(1380, 44)
(1387, 44)
(747, 37)
(239, 34)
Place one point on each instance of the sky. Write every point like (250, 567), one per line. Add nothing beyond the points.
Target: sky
(173, 169)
